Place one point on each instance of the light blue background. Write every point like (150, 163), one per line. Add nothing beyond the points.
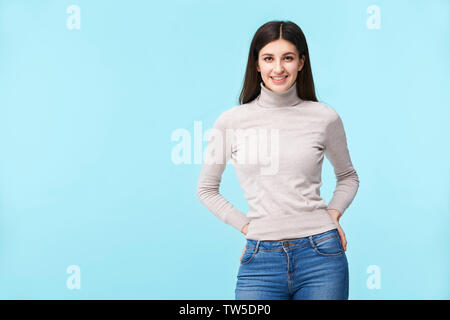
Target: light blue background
(86, 117)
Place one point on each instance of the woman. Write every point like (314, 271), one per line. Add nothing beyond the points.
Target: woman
(276, 140)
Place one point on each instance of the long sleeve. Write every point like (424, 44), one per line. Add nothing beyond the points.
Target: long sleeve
(336, 151)
(217, 155)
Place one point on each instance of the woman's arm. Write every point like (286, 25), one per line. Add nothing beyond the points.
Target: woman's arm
(336, 151)
(218, 153)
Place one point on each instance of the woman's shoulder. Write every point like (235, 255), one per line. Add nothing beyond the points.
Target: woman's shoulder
(228, 116)
(325, 110)
(231, 113)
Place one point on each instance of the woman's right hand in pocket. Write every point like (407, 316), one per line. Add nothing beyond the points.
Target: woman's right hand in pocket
(243, 250)
(245, 229)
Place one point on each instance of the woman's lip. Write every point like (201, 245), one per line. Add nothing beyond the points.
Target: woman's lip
(279, 81)
(279, 76)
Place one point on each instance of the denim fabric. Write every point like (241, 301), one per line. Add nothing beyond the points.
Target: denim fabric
(313, 268)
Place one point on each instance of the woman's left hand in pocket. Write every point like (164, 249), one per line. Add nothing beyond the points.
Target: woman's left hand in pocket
(335, 215)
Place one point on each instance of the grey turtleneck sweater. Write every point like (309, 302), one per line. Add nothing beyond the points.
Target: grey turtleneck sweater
(276, 144)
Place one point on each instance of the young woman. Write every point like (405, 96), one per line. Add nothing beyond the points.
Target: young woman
(277, 139)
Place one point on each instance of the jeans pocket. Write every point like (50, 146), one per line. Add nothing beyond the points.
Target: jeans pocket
(248, 255)
(329, 245)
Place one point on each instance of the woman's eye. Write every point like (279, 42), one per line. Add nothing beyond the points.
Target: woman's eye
(289, 57)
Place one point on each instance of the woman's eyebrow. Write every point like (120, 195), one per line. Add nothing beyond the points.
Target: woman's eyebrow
(269, 54)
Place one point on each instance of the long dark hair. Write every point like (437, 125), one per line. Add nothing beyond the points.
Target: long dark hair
(270, 31)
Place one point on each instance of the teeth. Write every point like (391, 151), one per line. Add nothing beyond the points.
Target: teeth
(277, 78)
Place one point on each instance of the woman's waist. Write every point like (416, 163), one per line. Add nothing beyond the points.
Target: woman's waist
(279, 227)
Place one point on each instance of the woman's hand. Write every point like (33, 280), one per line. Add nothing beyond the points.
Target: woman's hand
(245, 229)
(243, 250)
(336, 215)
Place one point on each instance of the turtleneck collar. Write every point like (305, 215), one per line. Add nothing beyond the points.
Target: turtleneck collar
(271, 99)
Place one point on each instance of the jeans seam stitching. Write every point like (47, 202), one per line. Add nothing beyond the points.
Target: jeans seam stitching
(313, 244)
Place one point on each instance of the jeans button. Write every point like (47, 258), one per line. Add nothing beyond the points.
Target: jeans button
(286, 244)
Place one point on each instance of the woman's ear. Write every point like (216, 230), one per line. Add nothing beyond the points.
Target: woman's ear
(301, 63)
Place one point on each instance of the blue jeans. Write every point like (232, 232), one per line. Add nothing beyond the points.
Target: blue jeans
(313, 267)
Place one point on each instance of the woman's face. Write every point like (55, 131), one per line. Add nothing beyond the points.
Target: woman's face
(279, 59)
